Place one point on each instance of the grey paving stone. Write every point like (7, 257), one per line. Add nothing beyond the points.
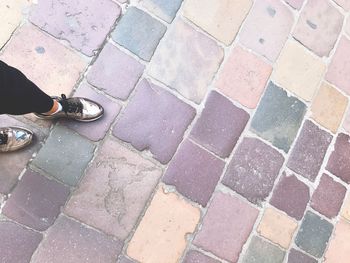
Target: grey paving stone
(164, 9)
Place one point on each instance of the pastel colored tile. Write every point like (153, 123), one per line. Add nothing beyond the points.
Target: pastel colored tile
(278, 117)
(139, 32)
(345, 4)
(154, 119)
(226, 226)
(266, 28)
(297, 4)
(221, 19)
(161, 234)
(298, 71)
(345, 211)
(13, 237)
(79, 244)
(314, 234)
(163, 9)
(328, 107)
(220, 125)
(36, 201)
(115, 72)
(186, 60)
(243, 77)
(84, 24)
(339, 246)
(319, 26)
(46, 62)
(328, 197)
(309, 151)
(339, 161)
(339, 67)
(346, 123)
(194, 172)
(295, 256)
(253, 170)
(96, 130)
(291, 196)
(194, 256)
(114, 191)
(65, 155)
(277, 227)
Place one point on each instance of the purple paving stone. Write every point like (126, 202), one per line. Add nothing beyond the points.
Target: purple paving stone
(296, 256)
(339, 161)
(194, 172)
(220, 125)
(328, 197)
(115, 73)
(95, 130)
(17, 243)
(309, 151)
(154, 119)
(36, 201)
(194, 256)
(85, 24)
(253, 170)
(71, 242)
(291, 196)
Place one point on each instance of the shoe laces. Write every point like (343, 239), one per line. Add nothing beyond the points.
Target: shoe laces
(3, 138)
(71, 105)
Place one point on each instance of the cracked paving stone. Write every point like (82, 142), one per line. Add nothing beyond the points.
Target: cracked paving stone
(296, 256)
(163, 9)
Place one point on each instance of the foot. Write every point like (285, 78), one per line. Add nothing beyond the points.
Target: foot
(14, 138)
(80, 109)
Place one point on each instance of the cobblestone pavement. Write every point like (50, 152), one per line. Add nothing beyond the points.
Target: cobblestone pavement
(225, 138)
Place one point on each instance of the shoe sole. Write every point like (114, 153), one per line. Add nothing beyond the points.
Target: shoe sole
(67, 118)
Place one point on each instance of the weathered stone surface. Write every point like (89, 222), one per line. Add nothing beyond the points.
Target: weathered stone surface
(296, 256)
(345, 4)
(163, 9)
(339, 246)
(295, 3)
(345, 212)
(194, 256)
(346, 123)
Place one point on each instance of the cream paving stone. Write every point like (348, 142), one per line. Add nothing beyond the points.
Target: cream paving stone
(345, 211)
(298, 71)
(161, 235)
(221, 19)
(339, 246)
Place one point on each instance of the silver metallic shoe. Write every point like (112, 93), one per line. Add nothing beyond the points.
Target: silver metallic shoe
(80, 109)
(14, 138)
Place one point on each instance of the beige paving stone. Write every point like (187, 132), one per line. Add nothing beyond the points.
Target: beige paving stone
(277, 227)
(221, 19)
(328, 107)
(298, 71)
(161, 235)
(345, 211)
(339, 245)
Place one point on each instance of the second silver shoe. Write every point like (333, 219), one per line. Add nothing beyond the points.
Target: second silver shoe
(14, 138)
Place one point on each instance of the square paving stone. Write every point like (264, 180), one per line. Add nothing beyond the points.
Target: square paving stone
(71, 242)
(36, 201)
(226, 226)
(65, 155)
(115, 72)
(244, 77)
(139, 32)
(186, 60)
(314, 234)
(278, 117)
(17, 243)
(309, 151)
(253, 170)
(85, 24)
(296, 256)
(194, 172)
(319, 26)
(221, 19)
(339, 161)
(339, 245)
(263, 252)
(297, 4)
(291, 196)
(266, 28)
(194, 256)
(328, 197)
(95, 130)
(163, 9)
(154, 119)
(114, 191)
(220, 125)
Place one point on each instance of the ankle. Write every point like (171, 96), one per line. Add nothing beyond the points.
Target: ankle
(55, 108)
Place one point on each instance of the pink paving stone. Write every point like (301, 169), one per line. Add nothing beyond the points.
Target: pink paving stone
(226, 227)
(244, 77)
(291, 196)
(220, 125)
(115, 72)
(295, 3)
(194, 256)
(96, 130)
(339, 161)
(154, 119)
(319, 26)
(85, 24)
(345, 4)
(17, 243)
(266, 28)
(346, 123)
(71, 242)
(194, 172)
(36, 201)
(339, 68)
(296, 256)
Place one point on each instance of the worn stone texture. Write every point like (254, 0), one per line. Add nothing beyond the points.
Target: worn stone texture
(163, 9)
(345, 211)
(295, 256)
(194, 256)
(346, 123)
(297, 4)
(339, 246)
